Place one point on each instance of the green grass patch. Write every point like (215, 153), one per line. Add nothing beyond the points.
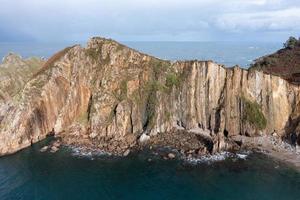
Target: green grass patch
(252, 113)
(159, 67)
(172, 80)
(92, 53)
(83, 118)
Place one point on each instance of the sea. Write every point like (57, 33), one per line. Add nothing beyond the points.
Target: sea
(227, 53)
(72, 174)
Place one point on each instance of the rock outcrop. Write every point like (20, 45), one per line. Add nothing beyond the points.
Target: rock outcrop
(284, 63)
(107, 96)
(14, 73)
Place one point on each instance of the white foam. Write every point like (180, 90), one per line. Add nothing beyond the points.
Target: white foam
(242, 156)
(209, 158)
(217, 157)
(84, 152)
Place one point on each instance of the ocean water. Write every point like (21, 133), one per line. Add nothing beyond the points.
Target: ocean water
(31, 175)
(227, 53)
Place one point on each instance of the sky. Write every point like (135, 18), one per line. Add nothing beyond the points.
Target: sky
(149, 20)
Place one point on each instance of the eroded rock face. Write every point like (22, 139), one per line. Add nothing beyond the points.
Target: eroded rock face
(106, 96)
(14, 73)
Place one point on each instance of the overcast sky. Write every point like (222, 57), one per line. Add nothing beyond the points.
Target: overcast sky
(149, 20)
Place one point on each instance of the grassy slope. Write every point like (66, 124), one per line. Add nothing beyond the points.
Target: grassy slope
(284, 63)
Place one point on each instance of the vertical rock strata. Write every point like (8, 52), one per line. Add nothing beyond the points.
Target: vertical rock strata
(107, 95)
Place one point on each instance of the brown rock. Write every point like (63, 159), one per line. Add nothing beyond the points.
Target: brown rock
(43, 149)
(56, 144)
(54, 149)
(171, 155)
(113, 94)
(126, 153)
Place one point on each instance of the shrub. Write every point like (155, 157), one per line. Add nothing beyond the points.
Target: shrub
(253, 114)
(159, 67)
(92, 52)
(172, 80)
(291, 42)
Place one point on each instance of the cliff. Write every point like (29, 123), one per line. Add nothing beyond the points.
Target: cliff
(284, 63)
(110, 97)
(14, 73)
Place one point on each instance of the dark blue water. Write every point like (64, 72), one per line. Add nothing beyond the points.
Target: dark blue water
(31, 175)
(228, 53)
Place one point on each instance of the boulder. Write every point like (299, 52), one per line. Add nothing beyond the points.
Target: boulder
(126, 153)
(144, 138)
(43, 149)
(56, 144)
(171, 155)
(54, 149)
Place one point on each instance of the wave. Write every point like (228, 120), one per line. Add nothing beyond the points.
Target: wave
(217, 157)
(86, 152)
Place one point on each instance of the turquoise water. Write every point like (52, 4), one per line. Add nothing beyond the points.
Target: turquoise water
(228, 53)
(31, 175)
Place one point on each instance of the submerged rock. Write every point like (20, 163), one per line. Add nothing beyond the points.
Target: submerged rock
(56, 144)
(43, 149)
(171, 155)
(54, 149)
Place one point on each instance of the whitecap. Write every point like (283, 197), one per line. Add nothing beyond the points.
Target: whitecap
(242, 156)
(209, 158)
(85, 152)
(217, 157)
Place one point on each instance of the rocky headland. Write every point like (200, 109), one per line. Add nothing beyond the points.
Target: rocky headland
(112, 98)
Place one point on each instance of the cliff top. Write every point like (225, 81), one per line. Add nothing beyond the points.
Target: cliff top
(285, 62)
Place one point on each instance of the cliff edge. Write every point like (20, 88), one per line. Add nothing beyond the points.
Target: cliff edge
(284, 63)
(109, 97)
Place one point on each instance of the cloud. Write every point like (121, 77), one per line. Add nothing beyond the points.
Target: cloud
(280, 20)
(54, 20)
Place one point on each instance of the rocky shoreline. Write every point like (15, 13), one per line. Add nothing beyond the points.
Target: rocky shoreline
(114, 99)
(185, 147)
(274, 147)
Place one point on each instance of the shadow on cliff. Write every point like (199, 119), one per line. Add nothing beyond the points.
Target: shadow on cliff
(291, 128)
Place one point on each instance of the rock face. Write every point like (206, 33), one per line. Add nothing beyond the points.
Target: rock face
(14, 73)
(106, 96)
(285, 63)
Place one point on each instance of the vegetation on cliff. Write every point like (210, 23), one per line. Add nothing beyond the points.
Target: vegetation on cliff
(252, 114)
(172, 80)
(291, 43)
(15, 72)
(284, 63)
(118, 95)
